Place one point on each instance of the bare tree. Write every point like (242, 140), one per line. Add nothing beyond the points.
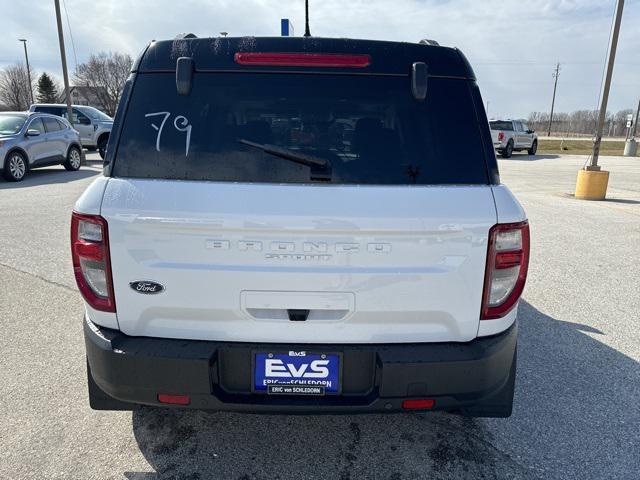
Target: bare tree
(106, 73)
(14, 87)
(580, 122)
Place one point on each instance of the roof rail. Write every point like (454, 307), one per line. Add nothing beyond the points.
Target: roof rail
(426, 41)
(181, 36)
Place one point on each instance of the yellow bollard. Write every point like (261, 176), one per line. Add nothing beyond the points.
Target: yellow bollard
(591, 184)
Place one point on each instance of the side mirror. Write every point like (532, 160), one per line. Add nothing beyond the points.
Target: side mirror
(84, 121)
(530, 131)
(32, 132)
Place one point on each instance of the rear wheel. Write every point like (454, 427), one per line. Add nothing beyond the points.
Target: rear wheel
(15, 167)
(508, 150)
(102, 145)
(534, 148)
(74, 159)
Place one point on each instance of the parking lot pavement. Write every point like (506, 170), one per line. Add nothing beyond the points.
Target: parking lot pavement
(576, 412)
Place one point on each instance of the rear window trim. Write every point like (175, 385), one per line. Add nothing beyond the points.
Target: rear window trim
(312, 184)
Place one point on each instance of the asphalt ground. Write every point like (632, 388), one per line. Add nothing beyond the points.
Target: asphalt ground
(576, 413)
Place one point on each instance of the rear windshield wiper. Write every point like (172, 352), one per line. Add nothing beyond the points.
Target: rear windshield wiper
(320, 167)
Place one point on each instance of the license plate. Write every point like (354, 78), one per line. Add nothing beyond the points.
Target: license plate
(296, 373)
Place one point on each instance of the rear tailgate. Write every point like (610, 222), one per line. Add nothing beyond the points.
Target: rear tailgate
(354, 214)
(372, 264)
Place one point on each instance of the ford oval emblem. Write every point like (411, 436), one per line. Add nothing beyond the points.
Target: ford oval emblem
(147, 287)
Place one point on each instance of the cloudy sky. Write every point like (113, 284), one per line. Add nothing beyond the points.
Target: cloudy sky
(513, 45)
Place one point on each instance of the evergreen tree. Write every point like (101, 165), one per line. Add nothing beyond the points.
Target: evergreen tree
(47, 91)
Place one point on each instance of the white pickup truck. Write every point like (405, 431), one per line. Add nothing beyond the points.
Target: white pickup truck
(512, 136)
(245, 250)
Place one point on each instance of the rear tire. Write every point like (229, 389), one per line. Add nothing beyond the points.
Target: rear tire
(508, 150)
(534, 148)
(74, 159)
(102, 145)
(15, 167)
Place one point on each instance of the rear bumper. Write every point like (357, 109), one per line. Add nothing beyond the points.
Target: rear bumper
(375, 378)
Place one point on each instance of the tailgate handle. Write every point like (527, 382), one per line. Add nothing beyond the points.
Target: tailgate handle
(297, 306)
(297, 315)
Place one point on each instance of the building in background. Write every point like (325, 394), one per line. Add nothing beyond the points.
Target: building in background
(83, 95)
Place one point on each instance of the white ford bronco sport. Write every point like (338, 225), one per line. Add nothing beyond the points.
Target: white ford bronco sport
(301, 225)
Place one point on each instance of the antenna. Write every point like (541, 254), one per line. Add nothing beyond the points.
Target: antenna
(307, 33)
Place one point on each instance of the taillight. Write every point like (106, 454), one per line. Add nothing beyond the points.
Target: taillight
(506, 270)
(303, 59)
(91, 262)
(500, 136)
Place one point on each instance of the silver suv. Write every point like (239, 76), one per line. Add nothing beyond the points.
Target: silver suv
(512, 136)
(94, 125)
(30, 140)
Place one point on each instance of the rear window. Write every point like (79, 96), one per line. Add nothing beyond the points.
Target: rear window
(95, 114)
(51, 124)
(237, 127)
(501, 125)
(52, 110)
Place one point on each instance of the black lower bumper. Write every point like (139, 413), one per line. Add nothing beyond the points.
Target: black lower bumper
(474, 378)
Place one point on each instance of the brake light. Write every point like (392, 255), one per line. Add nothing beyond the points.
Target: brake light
(500, 136)
(506, 269)
(418, 404)
(174, 399)
(91, 262)
(302, 59)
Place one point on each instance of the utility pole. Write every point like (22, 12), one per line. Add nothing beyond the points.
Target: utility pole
(604, 97)
(26, 57)
(635, 122)
(63, 58)
(555, 75)
(630, 144)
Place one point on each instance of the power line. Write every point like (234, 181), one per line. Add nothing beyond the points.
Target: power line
(546, 64)
(73, 44)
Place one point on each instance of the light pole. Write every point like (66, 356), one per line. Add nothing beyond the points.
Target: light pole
(592, 182)
(26, 57)
(604, 98)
